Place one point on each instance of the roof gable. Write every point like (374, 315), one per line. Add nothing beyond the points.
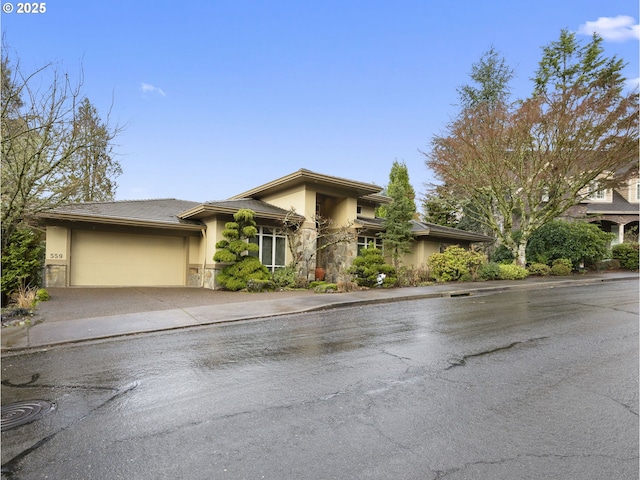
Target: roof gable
(304, 176)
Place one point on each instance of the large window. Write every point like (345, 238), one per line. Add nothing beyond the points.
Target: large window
(272, 248)
(364, 241)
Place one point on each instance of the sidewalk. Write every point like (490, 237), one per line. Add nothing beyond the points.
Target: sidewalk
(47, 333)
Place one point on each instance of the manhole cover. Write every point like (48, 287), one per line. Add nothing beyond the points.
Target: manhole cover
(19, 413)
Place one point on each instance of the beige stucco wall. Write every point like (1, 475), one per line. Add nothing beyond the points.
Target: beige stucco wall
(57, 257)
(295, 198)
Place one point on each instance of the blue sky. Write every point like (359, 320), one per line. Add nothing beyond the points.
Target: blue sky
(221, 96)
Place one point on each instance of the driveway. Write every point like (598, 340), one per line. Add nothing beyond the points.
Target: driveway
(74, 303)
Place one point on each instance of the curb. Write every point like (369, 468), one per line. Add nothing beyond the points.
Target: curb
(451, 293)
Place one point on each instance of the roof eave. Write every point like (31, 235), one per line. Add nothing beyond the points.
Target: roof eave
(131, 222)
(307, 176)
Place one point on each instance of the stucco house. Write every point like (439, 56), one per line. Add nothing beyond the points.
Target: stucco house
(614, 210)
(170, 242)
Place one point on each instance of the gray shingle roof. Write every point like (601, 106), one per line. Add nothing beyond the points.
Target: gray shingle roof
(257, 206)
(430, 229)
(618, 205)
(159, 211)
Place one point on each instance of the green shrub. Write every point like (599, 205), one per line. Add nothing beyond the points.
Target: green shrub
(608, 264)
(235, 277)
(368, 265)
(42, 295)
(490, 271)
(561, 267)
(626, 254)
(285, 277)
(502, 255)
(22, 261)
(454, 263)
(512, 272)
(539, 269)
(324, 287)
(255, 285)
(577, 241)
(234, 248)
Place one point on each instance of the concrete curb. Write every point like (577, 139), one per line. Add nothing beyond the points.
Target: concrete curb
(45, 335)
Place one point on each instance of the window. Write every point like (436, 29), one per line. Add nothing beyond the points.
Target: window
(637, 190)
(363, 242)
(596, 192)
(272, 248)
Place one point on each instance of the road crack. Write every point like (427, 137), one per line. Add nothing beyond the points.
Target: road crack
(462, 361)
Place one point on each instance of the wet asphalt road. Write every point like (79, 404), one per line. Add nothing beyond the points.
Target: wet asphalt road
(518, 385)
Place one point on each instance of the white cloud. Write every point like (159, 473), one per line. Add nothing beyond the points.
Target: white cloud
(147, 88)
(614, 29)
(633, 83)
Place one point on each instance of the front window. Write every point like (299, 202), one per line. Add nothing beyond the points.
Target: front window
(363, 242)
(272, 248)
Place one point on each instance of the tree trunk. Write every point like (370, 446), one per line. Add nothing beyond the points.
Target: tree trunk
(521, 258)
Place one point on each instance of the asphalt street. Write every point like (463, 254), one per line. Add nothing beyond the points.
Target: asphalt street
(520, 384)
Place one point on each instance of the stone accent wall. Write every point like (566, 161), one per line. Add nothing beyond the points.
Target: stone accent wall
(339, 258)
(210, 278)
(194, 277)
(55, 276)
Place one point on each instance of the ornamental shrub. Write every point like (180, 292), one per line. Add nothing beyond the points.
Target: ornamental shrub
(577, 241)
(235, 277)
(368, 265)
(236, 249)
(490, 271)
(626, 254)
(561, 267)
(539, 269)
(455, 263)
(512, 272)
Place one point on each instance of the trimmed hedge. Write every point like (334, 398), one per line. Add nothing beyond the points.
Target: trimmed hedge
(626, 254)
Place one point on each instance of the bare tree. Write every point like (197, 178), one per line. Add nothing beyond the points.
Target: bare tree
(524, 164)
(305, 244)
(40, 142)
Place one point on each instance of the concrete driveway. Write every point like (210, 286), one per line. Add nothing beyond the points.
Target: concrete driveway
(75, 303)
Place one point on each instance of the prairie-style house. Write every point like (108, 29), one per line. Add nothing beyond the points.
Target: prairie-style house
(170, 242)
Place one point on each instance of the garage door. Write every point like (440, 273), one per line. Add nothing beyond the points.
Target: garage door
(120, 259)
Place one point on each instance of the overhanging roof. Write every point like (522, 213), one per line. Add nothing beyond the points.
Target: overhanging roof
(423, 229)
(160, 213)
(304, 176)
(229, 207)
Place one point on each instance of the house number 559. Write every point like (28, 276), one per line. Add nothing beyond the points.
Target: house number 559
(56, 255)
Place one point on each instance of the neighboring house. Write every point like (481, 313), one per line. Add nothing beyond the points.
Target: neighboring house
(614, 210)
(170, 242)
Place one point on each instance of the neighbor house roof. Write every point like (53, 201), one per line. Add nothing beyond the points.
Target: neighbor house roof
(304, 176)
(422, 229)
(145, 213)
(618, 205)
(261, 209)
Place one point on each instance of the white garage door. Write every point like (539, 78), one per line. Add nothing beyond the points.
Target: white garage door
(120, 259)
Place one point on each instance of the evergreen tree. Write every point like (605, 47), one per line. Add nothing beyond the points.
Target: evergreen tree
(236, 250)
(523, 164)
(93, 168)
(397, 236)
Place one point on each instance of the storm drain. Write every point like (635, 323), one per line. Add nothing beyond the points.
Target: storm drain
(20, 413)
